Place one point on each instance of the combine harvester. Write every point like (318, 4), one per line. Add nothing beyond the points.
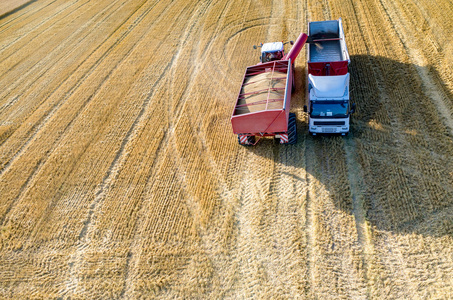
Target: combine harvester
(262, 107)
(329, 106)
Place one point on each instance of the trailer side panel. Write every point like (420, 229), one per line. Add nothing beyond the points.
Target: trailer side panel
(263, 103)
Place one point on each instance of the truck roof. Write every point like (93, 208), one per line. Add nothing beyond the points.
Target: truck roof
(329, 87)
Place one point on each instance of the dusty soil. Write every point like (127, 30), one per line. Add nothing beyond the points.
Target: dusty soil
(120, 176)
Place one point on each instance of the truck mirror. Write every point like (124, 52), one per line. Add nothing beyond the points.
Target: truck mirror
(254, 47)
(353, 106)
(305, 108)
(291, 42)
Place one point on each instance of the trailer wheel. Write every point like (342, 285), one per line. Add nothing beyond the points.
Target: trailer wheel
(245, 140)
(292, 129)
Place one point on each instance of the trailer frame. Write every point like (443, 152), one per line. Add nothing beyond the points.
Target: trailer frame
(267, 122)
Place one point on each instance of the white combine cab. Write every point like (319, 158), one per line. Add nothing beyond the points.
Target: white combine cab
(272, 51)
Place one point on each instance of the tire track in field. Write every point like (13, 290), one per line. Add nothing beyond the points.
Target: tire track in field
(228, 200)
(67, 127)
(262, 205)
(249, 253)
(286, 219)
(334, 251)
(111, 170)
(363, 227)
(135, 248)
(108, 180)
(174, 114)
(326, 10)
(45, 70)
(200, 65)
(117, 164)
(396, 130)
(174, 119)
(48, 98)
(310, 218)
(31, 12)
(35, 65)
(38, 33)
(67, 95)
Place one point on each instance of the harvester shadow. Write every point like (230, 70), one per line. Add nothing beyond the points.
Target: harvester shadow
(396, 162)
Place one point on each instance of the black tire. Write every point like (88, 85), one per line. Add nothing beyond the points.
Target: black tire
(292, 129)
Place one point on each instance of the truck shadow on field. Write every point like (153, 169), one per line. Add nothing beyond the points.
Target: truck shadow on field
(395, 166)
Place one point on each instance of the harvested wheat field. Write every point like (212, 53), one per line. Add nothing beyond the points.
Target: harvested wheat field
(120, 176)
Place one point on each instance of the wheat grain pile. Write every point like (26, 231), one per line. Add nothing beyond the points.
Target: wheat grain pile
(120, 177)
(262, 92)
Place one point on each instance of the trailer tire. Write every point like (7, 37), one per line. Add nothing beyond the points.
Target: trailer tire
(292, 129)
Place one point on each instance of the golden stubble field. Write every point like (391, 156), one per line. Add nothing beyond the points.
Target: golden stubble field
(120, 176)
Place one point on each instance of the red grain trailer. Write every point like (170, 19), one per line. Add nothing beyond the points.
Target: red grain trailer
(262, 106)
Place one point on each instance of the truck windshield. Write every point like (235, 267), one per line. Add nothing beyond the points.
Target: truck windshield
(329, 109)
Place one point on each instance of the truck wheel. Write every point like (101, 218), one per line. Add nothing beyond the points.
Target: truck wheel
(245, 140)
(292, 129)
